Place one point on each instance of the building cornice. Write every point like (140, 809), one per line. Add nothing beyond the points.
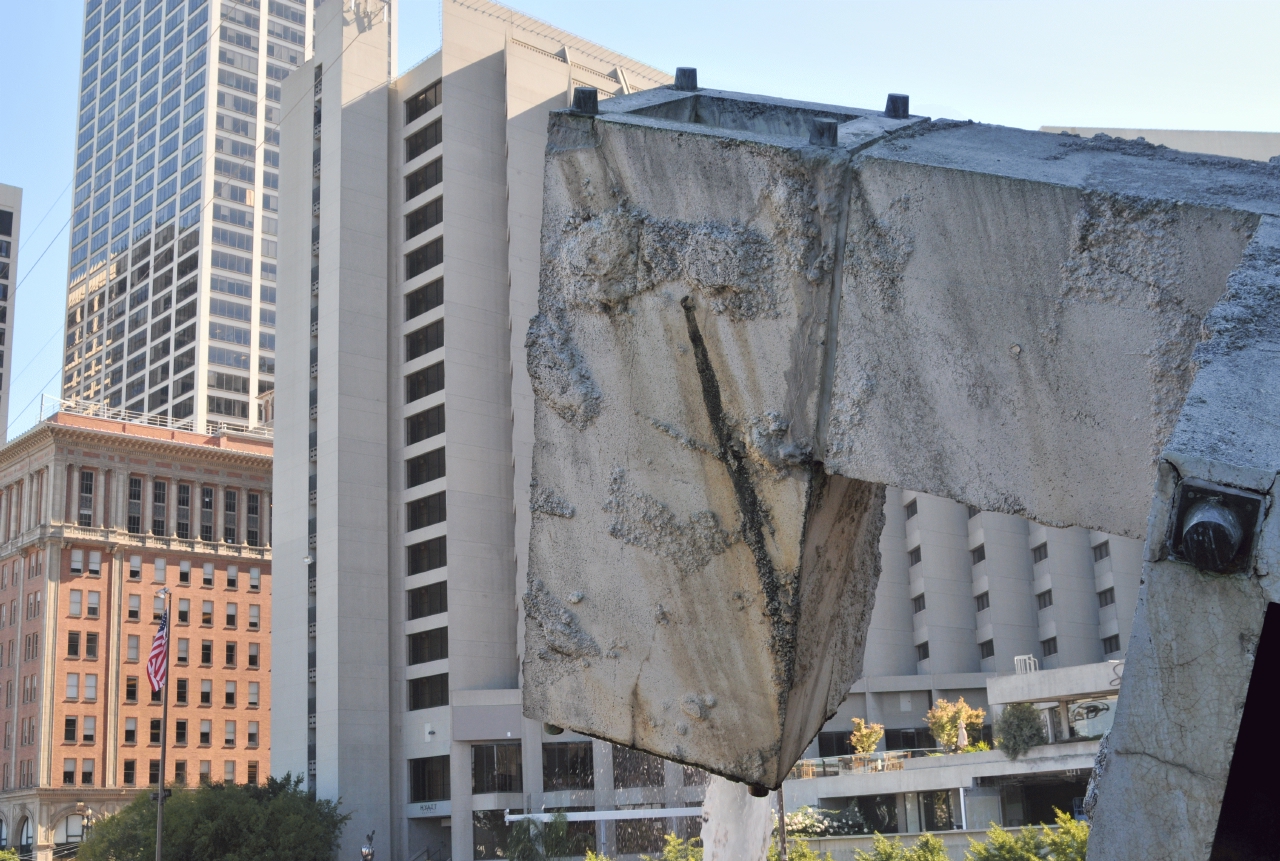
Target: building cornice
(118, 541)
(50, 432)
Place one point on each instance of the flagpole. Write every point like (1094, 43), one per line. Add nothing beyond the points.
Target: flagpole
(164, 728)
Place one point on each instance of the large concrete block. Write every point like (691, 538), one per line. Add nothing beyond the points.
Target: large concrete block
(742, 337)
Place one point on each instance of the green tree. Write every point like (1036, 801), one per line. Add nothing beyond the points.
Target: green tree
(1018, 729)
(278, 821)
(1002, 845)
(927, 848)
(797, 850)
(944, 721)
(676, 849)
(9, 854)
(866, 736)
(1070, 841)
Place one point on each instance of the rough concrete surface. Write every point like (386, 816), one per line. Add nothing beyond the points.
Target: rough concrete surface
(742, 338)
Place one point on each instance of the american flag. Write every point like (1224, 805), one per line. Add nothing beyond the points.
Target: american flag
(158, 663)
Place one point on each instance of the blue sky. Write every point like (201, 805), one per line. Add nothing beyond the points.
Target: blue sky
(1205, 65)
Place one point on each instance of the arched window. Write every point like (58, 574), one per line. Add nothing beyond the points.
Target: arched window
(4, 834)
(26, 838)
(70, 830)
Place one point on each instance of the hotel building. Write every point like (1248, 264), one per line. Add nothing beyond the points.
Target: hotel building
(10, 231)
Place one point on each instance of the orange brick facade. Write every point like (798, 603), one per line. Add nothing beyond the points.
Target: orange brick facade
(95, 518)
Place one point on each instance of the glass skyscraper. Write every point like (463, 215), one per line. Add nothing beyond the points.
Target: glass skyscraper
(172, 286)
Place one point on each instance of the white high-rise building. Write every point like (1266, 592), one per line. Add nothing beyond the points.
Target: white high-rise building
(171, 304)
(10, 232)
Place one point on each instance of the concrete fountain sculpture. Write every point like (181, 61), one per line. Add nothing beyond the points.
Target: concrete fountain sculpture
(756, 313)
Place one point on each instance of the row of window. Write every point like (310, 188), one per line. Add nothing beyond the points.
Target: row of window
(1048, 648)
(180, 772)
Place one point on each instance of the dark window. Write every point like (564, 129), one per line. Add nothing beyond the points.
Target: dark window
(912, 509)
(206, 652)
(974, 511)
(184, 511)
(229, 516)
(135, 505)
(428, 381)
(1044, 599)
(1039, 554)
(977, 554)
(1049, 647)
(69, 730)
(428, 692)
(425, 467)
(73, 644)
(159, 505)
(421, 141)
(423, 299)
(1111, 644)
(913, 556)
(424, 340)
(834, 744)
(428, 555)
(153, 772)
(421, 259)
(130, 772)
(86, 498)
(252, 524)
(424, 425)
(909, 739)
(421, 102)
(131, 689)
(180, 732)
(917, 603)
(430, 645)
(427, 511)
(6, 222)
(922, 652)
(496, 768)
(567, 765)
(155, 730)
(429, 600)
(424, 218)
(983, 601)
(206, 514)
(1106, 597)
(429, 779)
(1101, 551)
(424, 178)
(635, 768)
(987, 649)
(935, 808)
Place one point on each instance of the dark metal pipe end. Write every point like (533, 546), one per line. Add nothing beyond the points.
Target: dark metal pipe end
(758, 790)
(897, 106)
(823, 132)
(1211, 536)
(586, 100)
(686, 79)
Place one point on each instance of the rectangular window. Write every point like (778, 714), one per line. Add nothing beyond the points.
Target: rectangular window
(429, 600)
(913, 557)
(231, 655)
(1111, 645)
(427, 511)
(95, 563)
(180, 772)
(231, 615)
(1044, 599)
(254, 617)
(131, 650)
(251, 737)
(229, 500)
(208, 575)
(91, 609)
(130, 730)
(424, 217)
(1040, 553)
(911, 509)
(130, 772)
(1106, 597)
(977, 554)
(917, 603)
(987, 649)
(253, 503)
(428, 555)
(922, 652)
(205, 770)
(155, 730)
(425, 382)
(206, 653)
(229, 694)
(86, 498)
(253, 655)
(184, 611)
(90, 730)
(206, 692)
(229, 733)
(424, 468)
(424, 178)
(135, 608)
(425, 340)
(497, 768)
(974, 511)
(567, 765)
(184, 513)
(253, 695)
(135, 567)
(91, 685)
(70, 727)
(206, 514)
(424, 258)
(424, 425)
(423, 299)
(251, 773)
(421, 102)
(73, 686)
(429, 779)
(255, 579)
(74, 602)
(421, 141)
(428, 692)
(180, 732)
(181, 691)
(206, 614)
(73, 644)
(131, 689)
(1101, 551)
(430, 645)
(135, 505)
(159, 506)
(1049, 647)
(68, 772)
(983, 601)
(153, 772)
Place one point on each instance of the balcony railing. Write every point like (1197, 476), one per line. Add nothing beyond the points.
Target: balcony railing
(858, 763)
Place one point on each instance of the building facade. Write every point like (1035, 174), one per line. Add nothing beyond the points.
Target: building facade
(96, 516)
(10, 231)
(171, 292)
(417, 213)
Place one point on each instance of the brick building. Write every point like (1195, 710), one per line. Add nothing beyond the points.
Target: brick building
(96, 515)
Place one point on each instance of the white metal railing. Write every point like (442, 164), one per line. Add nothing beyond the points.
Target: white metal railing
(859, 763)
(1023, 664)
(50, 405)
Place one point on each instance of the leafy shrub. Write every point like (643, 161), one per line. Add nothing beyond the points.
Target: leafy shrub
(944, 721)
(866, 736)
(1018, 729)
(797, 850)
(1068, 843)
(676, 849)
(927, 848)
